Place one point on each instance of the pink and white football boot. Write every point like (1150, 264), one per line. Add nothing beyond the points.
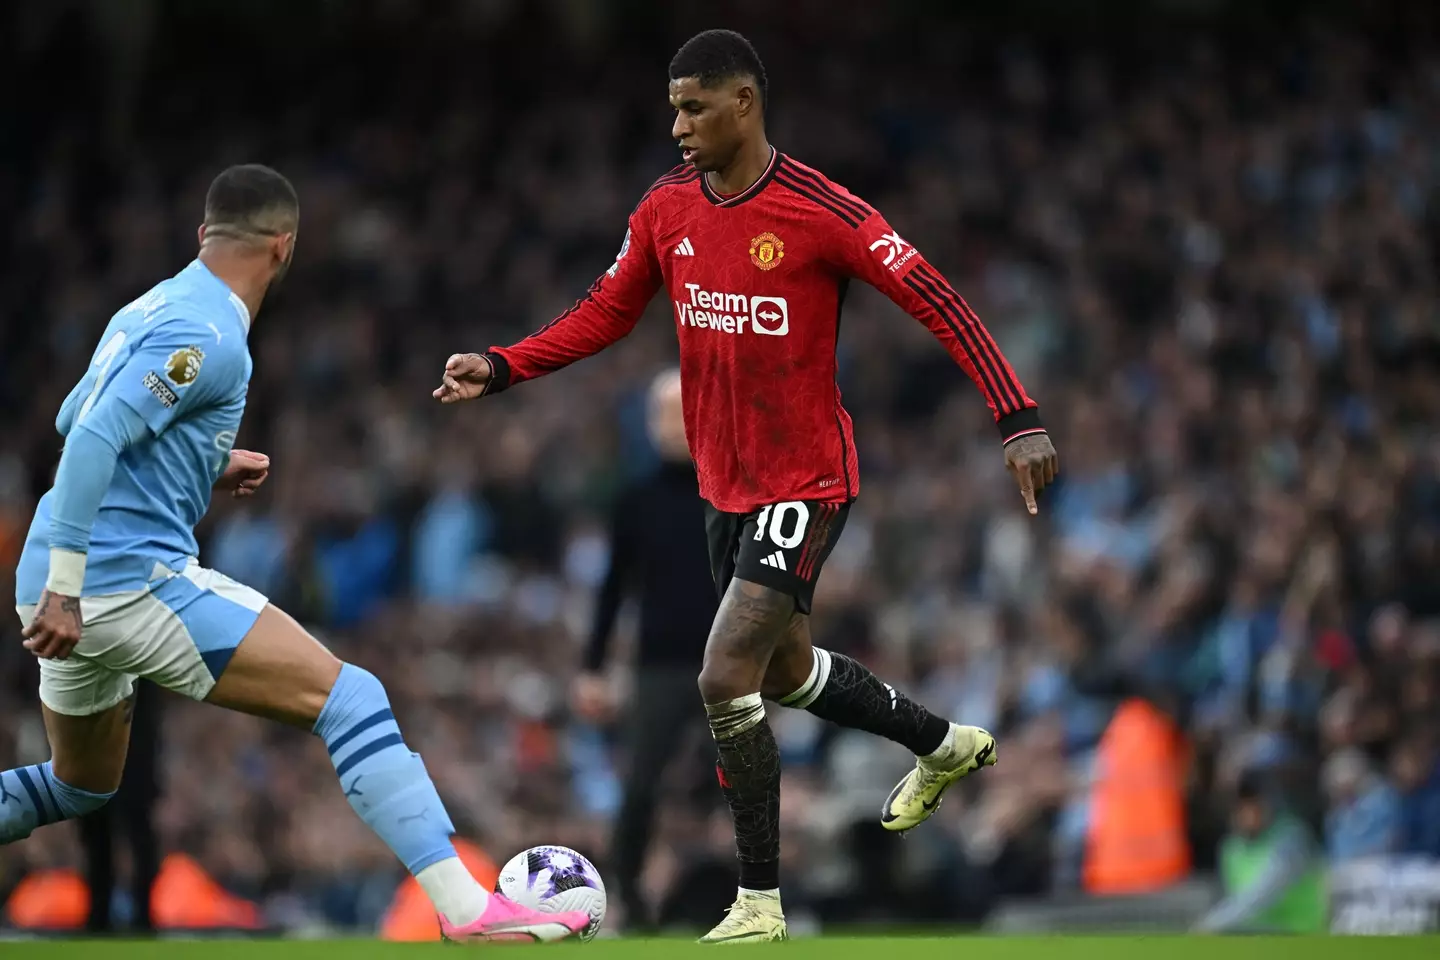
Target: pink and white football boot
(506, 920)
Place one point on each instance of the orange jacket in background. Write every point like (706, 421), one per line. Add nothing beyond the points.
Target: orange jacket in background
(1137, 839)
(184, 897)
(411, 916)
(49, 900)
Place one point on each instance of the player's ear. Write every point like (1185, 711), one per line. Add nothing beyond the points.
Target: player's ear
(284, 247)
(744, 100)
(200, 234)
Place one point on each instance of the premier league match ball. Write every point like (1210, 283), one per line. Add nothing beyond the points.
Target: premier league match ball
(554, 880)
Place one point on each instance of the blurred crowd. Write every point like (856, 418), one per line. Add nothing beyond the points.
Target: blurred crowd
(1211, 259)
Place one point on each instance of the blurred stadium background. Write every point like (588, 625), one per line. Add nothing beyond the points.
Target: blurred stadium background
(1204, 232)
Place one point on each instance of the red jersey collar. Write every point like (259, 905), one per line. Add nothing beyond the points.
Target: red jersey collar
(751, 191)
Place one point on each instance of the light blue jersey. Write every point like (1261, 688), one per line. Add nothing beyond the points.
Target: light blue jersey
(176, 357)
(148, 431)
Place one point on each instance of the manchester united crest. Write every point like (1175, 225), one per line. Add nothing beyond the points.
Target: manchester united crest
(766, 251)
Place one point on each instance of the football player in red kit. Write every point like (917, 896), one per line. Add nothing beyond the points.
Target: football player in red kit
(755, 250)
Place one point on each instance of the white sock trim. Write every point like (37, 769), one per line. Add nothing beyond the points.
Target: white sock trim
(810, 690)
(453, 891)
(745, 894)
(733, 717)
(946, 748)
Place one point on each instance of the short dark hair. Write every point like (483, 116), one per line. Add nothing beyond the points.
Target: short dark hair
(1252, 786)
(251, 200)
(718, 55)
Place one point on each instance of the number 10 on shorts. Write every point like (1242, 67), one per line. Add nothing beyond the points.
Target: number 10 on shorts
(776, 518)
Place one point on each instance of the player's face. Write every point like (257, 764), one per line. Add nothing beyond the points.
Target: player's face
(1249, 818)
(708, 120)
(667, 418)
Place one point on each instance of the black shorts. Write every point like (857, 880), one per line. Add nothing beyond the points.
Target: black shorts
(782, 546)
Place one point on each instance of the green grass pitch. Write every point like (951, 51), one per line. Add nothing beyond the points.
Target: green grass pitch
(821, 948)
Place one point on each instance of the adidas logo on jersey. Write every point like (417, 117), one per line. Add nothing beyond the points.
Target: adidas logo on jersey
(776, 560)
(684, 249)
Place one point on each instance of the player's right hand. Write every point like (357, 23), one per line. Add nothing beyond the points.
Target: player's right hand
(1034, 464)
(466, 376)
(592, 698)
(55, 629)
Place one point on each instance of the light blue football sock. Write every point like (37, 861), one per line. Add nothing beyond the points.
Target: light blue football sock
(31, 797)
(386, 784)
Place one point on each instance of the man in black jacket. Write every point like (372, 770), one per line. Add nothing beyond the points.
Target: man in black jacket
(658, 555)
(129, 817)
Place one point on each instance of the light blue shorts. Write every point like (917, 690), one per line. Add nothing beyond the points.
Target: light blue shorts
(179, 633)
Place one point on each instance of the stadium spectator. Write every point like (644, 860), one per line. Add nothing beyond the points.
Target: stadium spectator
(1270, 868)
(1364, 818)
(130, 818)
(657, 554)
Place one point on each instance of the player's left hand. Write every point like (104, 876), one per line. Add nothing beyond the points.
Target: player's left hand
(55, 629)
(244, 474)
(1034, 464)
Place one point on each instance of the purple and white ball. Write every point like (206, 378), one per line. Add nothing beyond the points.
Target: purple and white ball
(555, 880)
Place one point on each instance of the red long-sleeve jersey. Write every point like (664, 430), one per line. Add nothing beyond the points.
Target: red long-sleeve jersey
(756, 282)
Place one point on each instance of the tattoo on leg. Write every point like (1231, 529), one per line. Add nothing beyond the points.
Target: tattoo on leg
(749, 624)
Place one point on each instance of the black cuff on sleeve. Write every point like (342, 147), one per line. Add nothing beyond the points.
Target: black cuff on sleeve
(1019, 424)
(499, 373)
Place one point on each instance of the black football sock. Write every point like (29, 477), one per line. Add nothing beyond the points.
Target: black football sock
(846, 692)
(749, 774)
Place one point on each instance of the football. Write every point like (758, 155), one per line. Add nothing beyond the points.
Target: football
(555, 879)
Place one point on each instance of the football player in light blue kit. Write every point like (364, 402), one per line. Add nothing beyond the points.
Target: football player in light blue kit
(109, 587)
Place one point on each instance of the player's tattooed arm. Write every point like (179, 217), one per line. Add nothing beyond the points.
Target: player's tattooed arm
(749, 624)
(55, 629)
(1034, 464)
